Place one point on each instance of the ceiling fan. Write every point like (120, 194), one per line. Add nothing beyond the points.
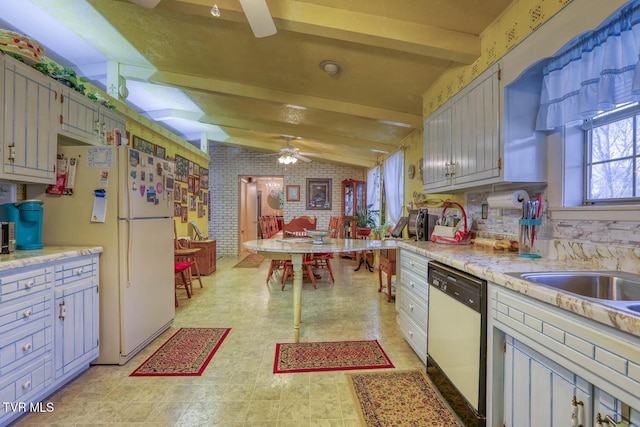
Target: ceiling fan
(256, 11)
(289, 154)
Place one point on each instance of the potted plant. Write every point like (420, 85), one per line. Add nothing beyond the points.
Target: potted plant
(366, 220)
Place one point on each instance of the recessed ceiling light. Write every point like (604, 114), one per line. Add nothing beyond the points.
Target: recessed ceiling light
(330, 67)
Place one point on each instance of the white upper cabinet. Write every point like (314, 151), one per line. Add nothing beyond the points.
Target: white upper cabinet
(464, 145)
(85, 121)
(28, 111)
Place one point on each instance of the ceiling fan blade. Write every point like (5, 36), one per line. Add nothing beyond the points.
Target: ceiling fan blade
(303, 158)
(149, 4)
(259, 17)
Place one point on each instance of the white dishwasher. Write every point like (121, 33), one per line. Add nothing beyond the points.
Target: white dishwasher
(456, 340)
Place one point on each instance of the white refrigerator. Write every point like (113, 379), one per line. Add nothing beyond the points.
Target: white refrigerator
(122, 200)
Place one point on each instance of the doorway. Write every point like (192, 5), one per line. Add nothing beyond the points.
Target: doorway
(258, 196)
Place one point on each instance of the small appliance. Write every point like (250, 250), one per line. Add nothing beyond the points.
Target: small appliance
(7, 237)
(27, 216)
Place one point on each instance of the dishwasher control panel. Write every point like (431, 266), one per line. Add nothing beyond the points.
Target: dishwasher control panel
(463, 287)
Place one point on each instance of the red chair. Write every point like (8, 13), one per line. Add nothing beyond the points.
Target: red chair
(183, 268)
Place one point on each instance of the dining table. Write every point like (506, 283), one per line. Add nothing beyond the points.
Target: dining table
(294, 249)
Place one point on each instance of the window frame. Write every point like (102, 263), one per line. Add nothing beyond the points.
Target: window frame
(622, 112)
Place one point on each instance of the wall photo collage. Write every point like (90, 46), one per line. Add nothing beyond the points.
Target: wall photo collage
(190, 189)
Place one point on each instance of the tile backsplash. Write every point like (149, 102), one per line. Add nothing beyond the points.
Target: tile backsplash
(610, 245)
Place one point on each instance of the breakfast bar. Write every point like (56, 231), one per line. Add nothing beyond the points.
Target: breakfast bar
(294, 249)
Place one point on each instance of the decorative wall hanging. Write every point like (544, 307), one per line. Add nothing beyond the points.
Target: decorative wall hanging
(318, 193)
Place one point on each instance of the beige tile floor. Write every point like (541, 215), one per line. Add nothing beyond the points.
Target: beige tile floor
(238, 388)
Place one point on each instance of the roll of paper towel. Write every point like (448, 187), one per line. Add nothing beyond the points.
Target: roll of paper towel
(508, 199)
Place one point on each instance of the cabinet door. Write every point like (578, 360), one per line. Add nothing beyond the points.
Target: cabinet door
(475, 141)
(79, 118)
(108, 121)
(437, 149)
(76, 326)
(538, 392)
(30, 112)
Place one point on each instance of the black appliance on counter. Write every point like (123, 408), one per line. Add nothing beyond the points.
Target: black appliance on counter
(457, 341)
(421, 224)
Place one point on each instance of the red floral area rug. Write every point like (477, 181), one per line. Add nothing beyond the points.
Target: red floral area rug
(400, 398)
(329, 356)
(186, 353)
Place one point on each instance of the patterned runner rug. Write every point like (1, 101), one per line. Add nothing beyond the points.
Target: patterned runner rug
(329, 356)
(400, 398)
(250, 261)
(186, 353)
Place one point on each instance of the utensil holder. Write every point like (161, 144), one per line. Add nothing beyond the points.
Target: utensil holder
(526, 241)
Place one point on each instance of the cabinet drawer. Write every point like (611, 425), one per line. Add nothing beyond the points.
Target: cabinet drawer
(415, 336)
(27, 382)
(25, 312)
(416, 285)
(27, 282)
(24, 345)
(414, 262)
(75, 269)
(415, 308)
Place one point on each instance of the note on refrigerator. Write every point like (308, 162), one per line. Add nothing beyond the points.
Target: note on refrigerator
(99, 206)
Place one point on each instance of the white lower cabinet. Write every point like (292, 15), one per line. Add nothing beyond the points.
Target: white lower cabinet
(76, 323)
(412, 294)
(539, 392)
(549, 367)
(48, 330)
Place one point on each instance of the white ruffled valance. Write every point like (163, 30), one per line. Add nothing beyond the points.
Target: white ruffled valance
(594, 72)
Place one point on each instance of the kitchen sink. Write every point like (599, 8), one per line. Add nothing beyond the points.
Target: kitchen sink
(607, 286)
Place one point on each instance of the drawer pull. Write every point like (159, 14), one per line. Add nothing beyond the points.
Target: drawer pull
(411, 334)
(26, 346)
(412, 264)
(411, 307)
(27, 313)
(413, 285)
(29, 284)
(78, 271)
(26, 385)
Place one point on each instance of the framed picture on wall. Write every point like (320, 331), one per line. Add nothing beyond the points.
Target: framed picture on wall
(144, 146)
(182, 168)
(196, 169)
(177, 209)
(177, 192)
(184, 195)
(204, 178)
(192, 203)
(190, 184)
(160, 152)
(293, 193)
(185, 214)
(319, 193)
(196, 185)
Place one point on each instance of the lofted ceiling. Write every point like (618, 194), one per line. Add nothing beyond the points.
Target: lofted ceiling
(209, 78)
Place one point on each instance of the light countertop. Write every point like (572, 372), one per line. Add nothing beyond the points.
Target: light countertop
(492, 267)
(33, 257)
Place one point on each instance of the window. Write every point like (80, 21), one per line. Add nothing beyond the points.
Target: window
(612, 157)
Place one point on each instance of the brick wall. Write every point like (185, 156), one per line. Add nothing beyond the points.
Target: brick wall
(229, 163)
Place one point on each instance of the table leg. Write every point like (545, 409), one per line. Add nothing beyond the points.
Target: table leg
(296, 261)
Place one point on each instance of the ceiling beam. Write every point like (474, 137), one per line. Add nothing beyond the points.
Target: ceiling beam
(368, 29)
(189, 82)
(297, 130)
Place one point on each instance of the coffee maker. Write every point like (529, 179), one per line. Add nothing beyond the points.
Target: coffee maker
(27, 216)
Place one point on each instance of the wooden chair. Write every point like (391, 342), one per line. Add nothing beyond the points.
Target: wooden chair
(184, 261)
(296, 228)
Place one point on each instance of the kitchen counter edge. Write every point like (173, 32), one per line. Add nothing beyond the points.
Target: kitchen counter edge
(493, 266)
(28, 258)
